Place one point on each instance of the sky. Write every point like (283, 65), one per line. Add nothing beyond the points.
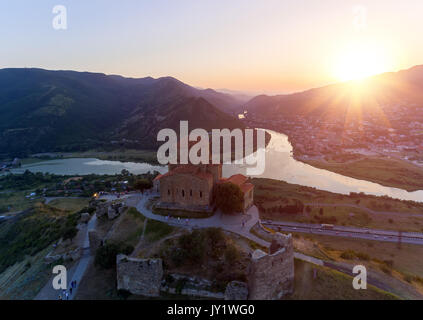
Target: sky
(255, 46)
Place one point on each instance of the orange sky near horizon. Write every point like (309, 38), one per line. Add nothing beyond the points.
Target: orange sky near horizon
(253, 46)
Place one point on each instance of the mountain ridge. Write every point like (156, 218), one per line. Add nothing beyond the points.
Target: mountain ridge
(404, 86)
(45, 110)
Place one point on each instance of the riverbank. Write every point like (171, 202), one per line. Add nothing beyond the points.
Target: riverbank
(387, 172)
(374, 167)
(123, 155)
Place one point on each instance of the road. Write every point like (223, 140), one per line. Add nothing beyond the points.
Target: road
(347, 232)
(76, 272)
(229, 223)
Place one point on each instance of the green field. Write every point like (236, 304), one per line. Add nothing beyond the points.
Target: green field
(70, 204)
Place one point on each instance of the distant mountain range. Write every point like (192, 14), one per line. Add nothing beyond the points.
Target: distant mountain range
(334, 101)
(44, 111)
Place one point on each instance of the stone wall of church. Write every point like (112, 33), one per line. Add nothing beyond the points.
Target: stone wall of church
(186, 190)
(216, 171)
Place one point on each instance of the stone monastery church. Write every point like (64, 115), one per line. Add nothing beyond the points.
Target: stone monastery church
(190, 187)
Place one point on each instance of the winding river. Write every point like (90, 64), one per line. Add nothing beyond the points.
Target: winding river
(280, 165)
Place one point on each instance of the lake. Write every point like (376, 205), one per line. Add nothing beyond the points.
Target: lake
(85, 166)
(280, 165)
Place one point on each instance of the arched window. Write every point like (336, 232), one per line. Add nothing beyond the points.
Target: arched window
(201, 194)
(168, 192)
(190, 193)
(183, 193)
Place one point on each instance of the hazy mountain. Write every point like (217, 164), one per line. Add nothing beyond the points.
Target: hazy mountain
(381, 91)
(196, 110)
(65, 110)
(240, 95)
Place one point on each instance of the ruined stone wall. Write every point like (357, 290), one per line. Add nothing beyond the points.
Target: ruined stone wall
(186, 190)
(271, 275)
(248, 199)
(139, 276)
(236, 290)
(95, 240)
(216, 171)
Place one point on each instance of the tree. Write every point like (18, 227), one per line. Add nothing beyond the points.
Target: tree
(105, 256)
(70, 233)
(229, 198)
(143, 184)
(125, 173)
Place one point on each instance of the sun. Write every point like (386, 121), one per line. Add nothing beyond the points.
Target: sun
(360, 61)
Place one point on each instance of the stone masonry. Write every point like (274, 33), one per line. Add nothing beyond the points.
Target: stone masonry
(271, 276)
(236, 290)
(95, 241)
(139, 276)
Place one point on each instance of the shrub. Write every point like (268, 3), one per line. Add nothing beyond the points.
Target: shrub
(385, 269)
(348, 255)
(408, 278)
(70, 233)
(363, 256)
(389, 263)
(193, 247)
(105, 256)
(231, 254)
(123, 294)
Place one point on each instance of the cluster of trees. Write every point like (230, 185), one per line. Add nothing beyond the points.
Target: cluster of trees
(27, 180)
(143, 184)
(229, 198)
